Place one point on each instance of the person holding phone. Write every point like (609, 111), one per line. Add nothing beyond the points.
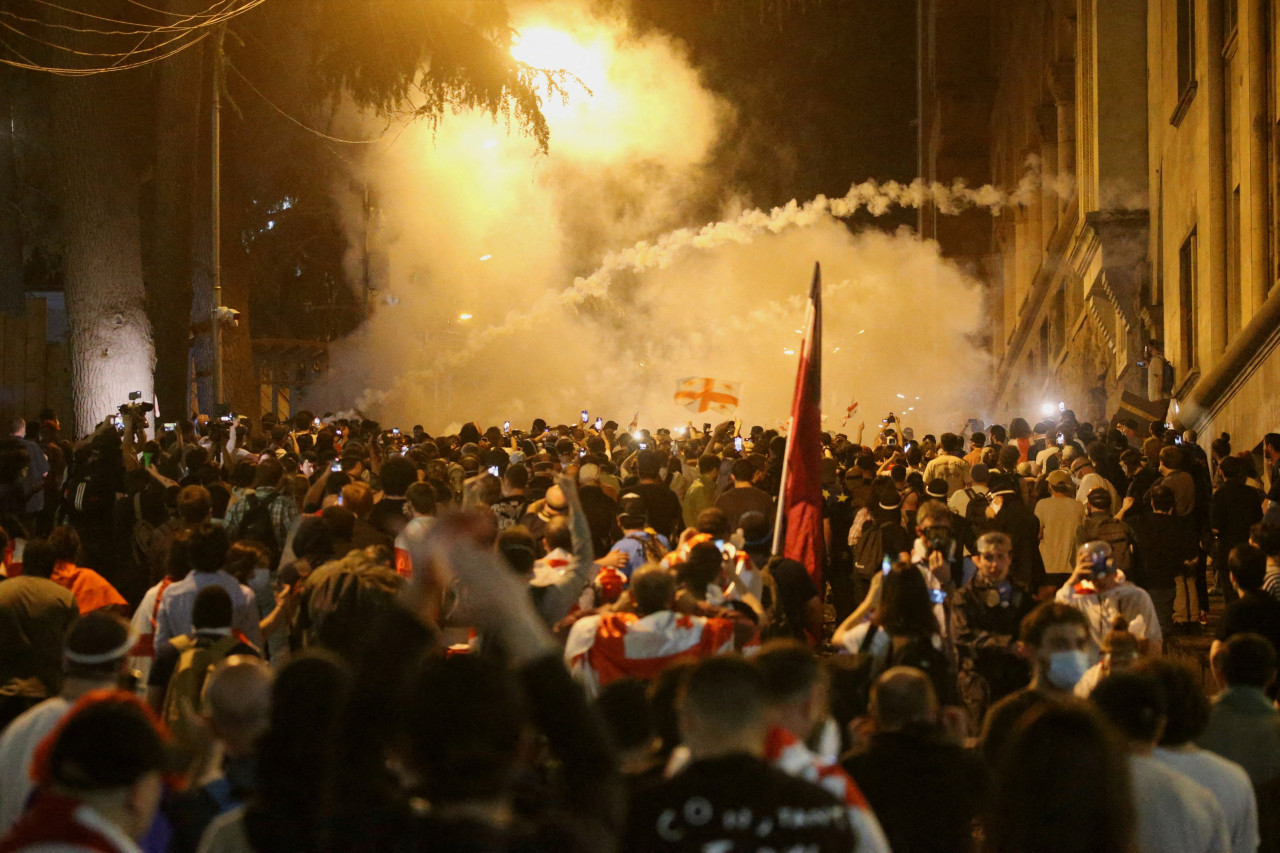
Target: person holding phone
(1101, 592)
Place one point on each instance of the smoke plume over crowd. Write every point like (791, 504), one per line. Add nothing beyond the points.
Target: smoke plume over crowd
(524, 286)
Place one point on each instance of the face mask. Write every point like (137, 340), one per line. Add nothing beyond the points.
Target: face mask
(1066, 668)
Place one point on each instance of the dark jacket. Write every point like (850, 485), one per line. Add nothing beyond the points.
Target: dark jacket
(924, 789)
(1166, 543)
(1017, 520)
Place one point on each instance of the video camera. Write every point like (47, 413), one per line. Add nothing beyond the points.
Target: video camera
(137, 407)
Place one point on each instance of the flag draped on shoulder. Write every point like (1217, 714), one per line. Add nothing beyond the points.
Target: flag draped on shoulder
(800, 501)
(703, 394)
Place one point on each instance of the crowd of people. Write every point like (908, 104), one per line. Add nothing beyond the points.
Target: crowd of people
(322, 634)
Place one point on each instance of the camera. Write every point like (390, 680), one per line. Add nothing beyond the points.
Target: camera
(506, 427)
(584, 416)
(136, 405)
(737, 443)
(493, 469)
(336, 467)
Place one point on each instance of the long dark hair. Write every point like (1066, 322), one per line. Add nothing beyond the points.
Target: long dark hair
(1071, 749)
(296, 755)
(905, 609)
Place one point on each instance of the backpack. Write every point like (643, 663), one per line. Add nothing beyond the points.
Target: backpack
(256, 523)
(975, 513)
(1166, 379)
(85, 499)
(779, 622)
(196, 657)
(1115, 533)
(853, 676)
(654, 550)
(869, 553)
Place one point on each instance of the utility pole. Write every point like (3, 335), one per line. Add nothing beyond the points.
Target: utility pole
(215, 324)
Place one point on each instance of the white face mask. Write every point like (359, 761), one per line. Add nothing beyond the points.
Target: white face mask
(1066, 668)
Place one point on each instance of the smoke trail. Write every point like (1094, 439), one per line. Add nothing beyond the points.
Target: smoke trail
(874, 197)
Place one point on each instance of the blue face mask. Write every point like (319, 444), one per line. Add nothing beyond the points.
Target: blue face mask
(1066, 668)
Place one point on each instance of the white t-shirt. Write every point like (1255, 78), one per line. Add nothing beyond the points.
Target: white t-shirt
(1175, 815)
(880, 643)
(17, 746)
(1229, 783)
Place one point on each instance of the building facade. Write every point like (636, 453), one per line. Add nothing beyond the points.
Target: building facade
(1140, 137)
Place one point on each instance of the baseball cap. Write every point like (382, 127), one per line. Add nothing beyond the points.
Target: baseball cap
(632, 509)
(1059, 478)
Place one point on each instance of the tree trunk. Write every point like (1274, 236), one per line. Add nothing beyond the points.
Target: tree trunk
(11, 283)
(173, 195)
(110, 336)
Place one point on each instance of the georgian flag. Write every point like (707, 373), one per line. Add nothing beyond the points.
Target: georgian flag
(703, 394)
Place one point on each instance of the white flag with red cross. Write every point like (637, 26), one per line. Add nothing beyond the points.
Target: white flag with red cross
(703, 394)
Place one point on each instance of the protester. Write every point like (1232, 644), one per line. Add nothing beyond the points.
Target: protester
(237, 704)
(607, 646)
(93, 658)
(1101, 593)
(499, 739)
(35, 613)
(740, 799)
(1174, 813)
(1061, 785)
(1054, 638)
(911, 760)
(1244, 725)
(1186, 714)
(985, 622)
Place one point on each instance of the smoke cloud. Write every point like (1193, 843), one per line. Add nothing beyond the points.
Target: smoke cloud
(523, 286)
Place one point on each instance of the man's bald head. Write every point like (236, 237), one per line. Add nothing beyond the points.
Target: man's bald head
(237, 699)
(556, 501)
(901, 697)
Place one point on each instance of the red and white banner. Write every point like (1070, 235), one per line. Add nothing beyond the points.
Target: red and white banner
(703, 394)
(608, 646)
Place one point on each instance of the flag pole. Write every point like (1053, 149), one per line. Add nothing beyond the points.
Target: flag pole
(780, 510)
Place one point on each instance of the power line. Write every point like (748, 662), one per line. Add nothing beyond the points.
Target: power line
(299, 122)
(107, 55)
(28, 65)
(212, 15)
(217, 13)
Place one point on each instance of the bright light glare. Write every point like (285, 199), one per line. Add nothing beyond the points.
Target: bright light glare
(464, 316)
(1048, 408)
(902, 396)
(485, 257)
(555, 50)
(489, 144)
(788, 352)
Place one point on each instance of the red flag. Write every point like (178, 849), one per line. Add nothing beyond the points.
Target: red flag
(800, 502)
